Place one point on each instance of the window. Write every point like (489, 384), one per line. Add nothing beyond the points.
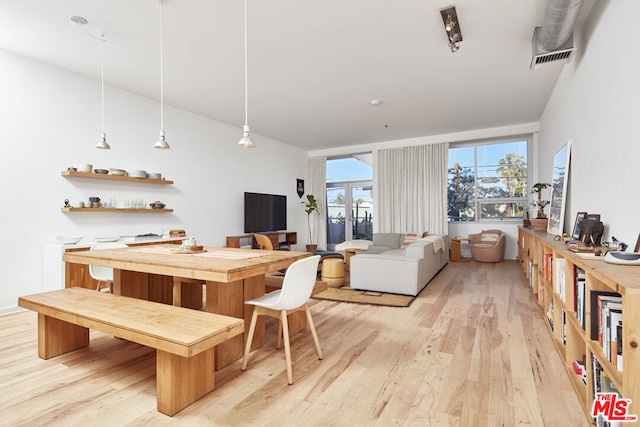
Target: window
(488, 181)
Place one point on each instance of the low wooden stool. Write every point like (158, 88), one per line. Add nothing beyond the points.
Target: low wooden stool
(333, 272)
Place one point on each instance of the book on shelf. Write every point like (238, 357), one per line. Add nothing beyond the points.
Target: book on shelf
(606, 313)
(615, 319)
(548, 267)
(580, 303)
(560, 277)
(619, 346)
(579, 292)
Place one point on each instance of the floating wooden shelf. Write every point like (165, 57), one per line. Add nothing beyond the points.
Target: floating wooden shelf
(137, 210)
(115, 177)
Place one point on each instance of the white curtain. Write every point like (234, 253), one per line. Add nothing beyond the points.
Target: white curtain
(318, 187)
(412, 189)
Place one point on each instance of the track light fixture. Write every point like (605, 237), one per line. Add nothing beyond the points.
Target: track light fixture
(452, 27)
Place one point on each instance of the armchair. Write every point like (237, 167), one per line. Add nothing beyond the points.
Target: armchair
(487, 246)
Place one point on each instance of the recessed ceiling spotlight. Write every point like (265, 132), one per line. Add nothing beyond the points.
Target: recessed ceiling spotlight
(375, 102)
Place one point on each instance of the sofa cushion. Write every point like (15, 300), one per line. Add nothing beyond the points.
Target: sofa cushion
(389, 240)
(354, 244)
(417, 248)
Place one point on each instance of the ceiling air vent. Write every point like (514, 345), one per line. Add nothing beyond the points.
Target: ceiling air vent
(541, 56)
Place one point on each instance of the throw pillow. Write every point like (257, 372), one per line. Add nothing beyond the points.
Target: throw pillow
(409, 238)
(489, 237)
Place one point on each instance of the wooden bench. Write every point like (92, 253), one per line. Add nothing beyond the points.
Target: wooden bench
(183, 338)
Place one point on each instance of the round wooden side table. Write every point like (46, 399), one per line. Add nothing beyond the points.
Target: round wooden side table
(455, 249)
(333, 272)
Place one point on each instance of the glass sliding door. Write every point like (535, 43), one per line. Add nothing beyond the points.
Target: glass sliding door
(349, 198)
(349, 212)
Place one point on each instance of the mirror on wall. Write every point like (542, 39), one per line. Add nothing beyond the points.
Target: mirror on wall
(559, 189)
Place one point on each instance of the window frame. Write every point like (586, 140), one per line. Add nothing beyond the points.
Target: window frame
(477, 218)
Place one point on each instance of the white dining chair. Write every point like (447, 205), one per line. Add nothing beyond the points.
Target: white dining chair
(297, 286)
(104, 275)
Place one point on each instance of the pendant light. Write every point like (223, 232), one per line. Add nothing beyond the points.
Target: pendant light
(81, 22)
(162, 142)
(246, 140)
(103, 145)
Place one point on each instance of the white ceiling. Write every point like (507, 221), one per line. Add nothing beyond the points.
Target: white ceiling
(314, 66)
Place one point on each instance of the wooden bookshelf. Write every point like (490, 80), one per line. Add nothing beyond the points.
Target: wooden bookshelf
(547, 263)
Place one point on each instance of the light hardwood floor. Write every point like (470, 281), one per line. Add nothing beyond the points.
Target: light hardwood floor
(472, 350)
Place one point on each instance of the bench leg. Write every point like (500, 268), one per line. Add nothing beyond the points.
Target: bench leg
(180, 381)
(56, 337)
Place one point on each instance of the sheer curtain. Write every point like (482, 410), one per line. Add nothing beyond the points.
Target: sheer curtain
(318, 187)
(412, 189)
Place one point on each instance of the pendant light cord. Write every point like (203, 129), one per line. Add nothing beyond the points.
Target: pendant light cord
(103, 40)
(246, 80)
(161, 73)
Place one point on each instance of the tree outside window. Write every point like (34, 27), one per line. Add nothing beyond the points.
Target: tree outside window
(488, 181)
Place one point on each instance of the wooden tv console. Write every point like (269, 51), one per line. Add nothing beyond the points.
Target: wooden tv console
(290, 238)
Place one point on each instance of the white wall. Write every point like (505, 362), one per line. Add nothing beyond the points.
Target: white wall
(50, 120)
(596, 106)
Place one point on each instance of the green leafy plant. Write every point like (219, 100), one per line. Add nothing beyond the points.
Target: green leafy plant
(310, 206)
(539, 203)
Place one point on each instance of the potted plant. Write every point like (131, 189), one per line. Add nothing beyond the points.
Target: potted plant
(539, 223)
(310, 206)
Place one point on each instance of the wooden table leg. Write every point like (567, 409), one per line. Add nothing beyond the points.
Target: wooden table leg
(56, 337)
(131, 284)
(180, 381)
(228, 299)
(187, 292)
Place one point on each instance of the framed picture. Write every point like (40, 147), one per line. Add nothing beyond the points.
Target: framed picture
(577, 233)
(594, 216)
(559, 189)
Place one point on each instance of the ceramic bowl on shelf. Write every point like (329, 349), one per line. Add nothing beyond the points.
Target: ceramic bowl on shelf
(69, 240)
(119, 172)
(87, 167)
(157, 205)
(154, 175)
(138, 173)
(102, 171)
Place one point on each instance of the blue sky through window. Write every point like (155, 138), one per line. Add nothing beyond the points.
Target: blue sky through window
(348, 169)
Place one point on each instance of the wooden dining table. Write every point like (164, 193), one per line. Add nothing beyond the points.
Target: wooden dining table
(231, 276)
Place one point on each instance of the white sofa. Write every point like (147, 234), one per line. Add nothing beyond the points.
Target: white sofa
(400, 271)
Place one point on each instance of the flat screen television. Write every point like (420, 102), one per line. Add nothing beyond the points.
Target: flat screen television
(264, 212)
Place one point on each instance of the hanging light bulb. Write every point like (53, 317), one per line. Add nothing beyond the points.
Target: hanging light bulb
(246, 140)
(162, 142)
(103, 145)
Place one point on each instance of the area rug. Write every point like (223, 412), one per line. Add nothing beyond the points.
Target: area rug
(346, 294)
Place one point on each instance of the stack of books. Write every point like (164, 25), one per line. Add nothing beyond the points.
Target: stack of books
(175, 233)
